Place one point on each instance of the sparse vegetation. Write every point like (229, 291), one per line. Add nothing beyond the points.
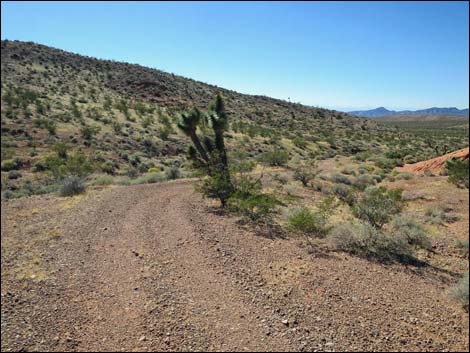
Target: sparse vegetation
(72, 185)
(440, 215)
(378, 205)
(312, 223)
(407, 228)
(370, 242)
(460, 291)
(458, 172)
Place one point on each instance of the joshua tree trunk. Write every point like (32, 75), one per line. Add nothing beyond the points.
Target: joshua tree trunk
(198, 145)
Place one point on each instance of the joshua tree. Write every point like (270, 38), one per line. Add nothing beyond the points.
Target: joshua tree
(210, 155)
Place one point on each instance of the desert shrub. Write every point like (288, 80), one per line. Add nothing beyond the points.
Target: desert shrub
(14, 174)
(256, 207)
(428, 173)
(308, 222)
(150, 178)
(342, 179)
(463, 245)
(412, 195)
(107, 167)
(173, 172)
(367, 241)
(312, 223)
(385, 163)
(460, 291)
(276, 157)
(89, 131)
(117, 127)
(378, 205)
(303, 175)
(299, 142)
(77, 164)
(123, 181)
(405, 176)
(379, 177)
(72, 185)
(217, 186)
(61, 149)
(458, 172)
(282, 179)
(362, 156)
(132, 172)
(10, 164)
(39, 166)
(242, 166)
(344, 193)
(348, 171)
(363, 181)
(412, 231)
(104, 180)
(440, 215)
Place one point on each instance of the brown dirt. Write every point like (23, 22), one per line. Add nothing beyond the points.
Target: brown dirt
(154, 267)
(435, 165)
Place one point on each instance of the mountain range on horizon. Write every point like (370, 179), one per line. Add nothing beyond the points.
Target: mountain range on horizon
(381, 111)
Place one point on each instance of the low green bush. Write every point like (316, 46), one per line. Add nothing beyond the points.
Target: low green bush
(104, 180)
(344, 193)
(414, 233)
(363, 181)
(460, 291)
(312, 223)
(149, 178)
(369, 242)
(341, 179)
(173, 173)
(405, 176)
(14, 174)
(258, 207)
(72, 185)
(377, 205)
(10, 164)
(440, 216)
(277, 157)
(458, 172)
(303, 175)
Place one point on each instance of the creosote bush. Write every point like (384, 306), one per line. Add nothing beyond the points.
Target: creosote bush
(173, 173)
(369, 242)
(460, 291)
(276, 158)
(312, 223)
(377, 205)
(341, 179)
(72, 185)
(458, 172)
(413, 232)
(440, 215)
(305, 175)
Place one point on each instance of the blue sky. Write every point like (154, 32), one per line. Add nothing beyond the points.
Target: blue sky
(339, 55)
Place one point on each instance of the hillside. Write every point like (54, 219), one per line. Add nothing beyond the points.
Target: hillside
(123, 118)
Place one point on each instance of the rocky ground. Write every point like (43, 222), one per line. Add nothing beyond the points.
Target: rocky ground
(155, 267)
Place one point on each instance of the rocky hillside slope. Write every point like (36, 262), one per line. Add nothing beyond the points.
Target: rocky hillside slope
(122, 118)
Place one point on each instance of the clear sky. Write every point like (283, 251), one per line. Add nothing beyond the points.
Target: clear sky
(341, 55)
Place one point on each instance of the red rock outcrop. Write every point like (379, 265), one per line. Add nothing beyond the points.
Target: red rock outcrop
(435, 165)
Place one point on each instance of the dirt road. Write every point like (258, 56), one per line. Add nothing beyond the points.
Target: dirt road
(152, 267)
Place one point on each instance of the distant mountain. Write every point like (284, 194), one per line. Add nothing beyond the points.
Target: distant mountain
(381, 111)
